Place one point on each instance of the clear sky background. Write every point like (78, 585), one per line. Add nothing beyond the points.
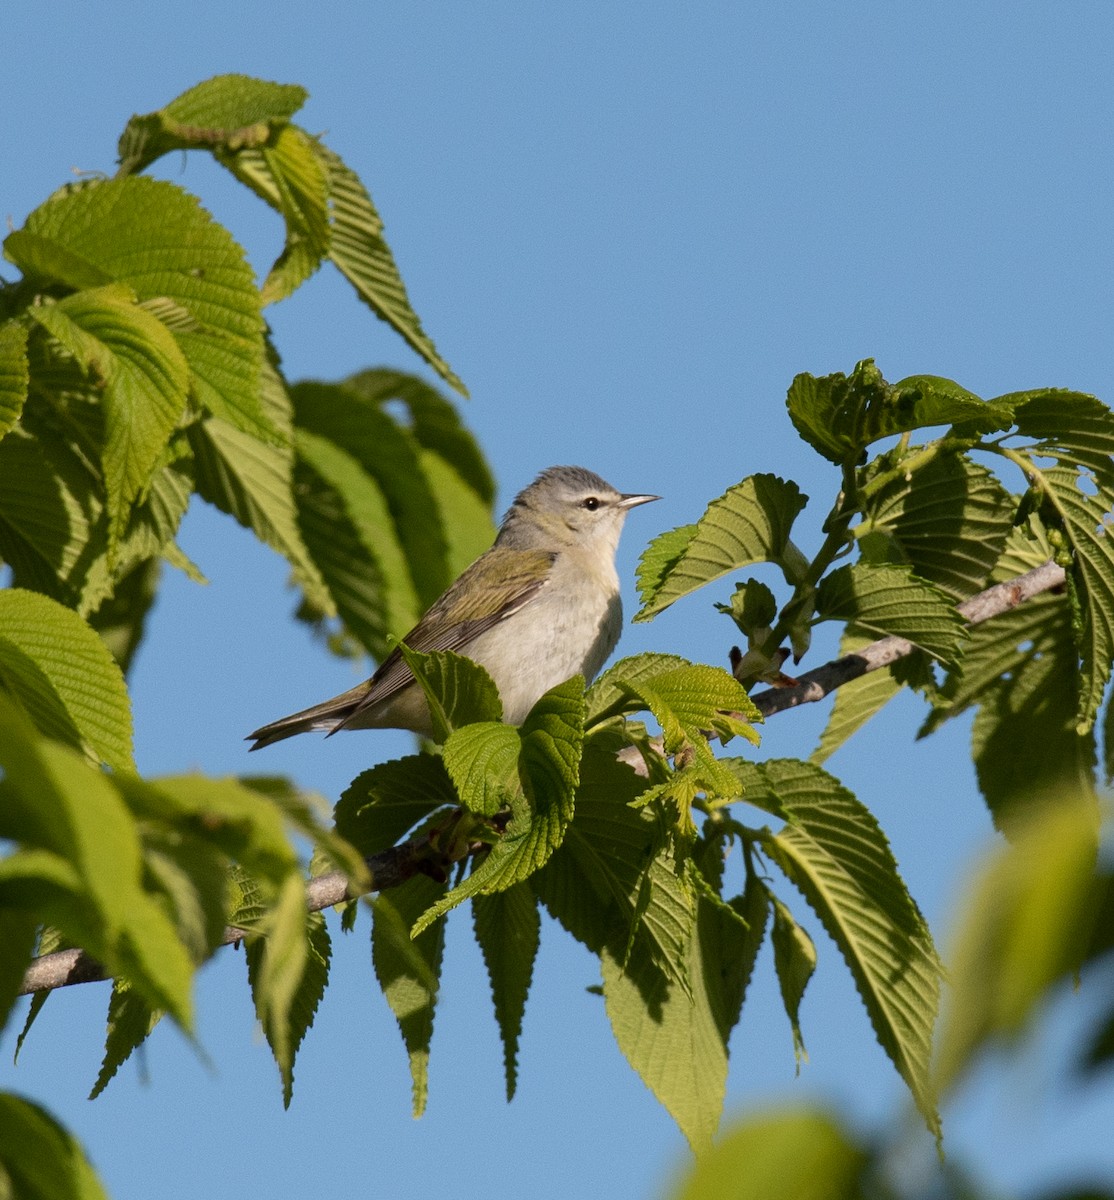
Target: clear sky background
(627, 226)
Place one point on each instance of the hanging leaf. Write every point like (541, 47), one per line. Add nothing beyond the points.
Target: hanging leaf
(749, 523)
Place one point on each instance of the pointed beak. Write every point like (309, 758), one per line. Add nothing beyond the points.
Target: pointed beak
(633, 501)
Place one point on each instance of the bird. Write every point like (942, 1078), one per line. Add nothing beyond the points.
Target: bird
(541, 605)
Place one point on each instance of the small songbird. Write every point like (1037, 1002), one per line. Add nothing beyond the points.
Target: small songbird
(538, 607)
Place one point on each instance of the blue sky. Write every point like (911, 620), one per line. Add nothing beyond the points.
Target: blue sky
(627, 226)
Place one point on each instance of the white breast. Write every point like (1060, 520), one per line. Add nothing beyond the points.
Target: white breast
(549, 640)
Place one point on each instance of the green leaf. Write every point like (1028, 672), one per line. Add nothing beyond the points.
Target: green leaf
(855, 702)
(250, 480)
(121, 620)
(229, 110)
(143, 376)
(508, 930)
(130, 1023)
(749, 523)
(948, 521)
(1090, 530)
(552, 738)
(287, 173)
(891, 600)
(1021, 669)
(611, 884)
(833, 850)
(434, 422)
(482, 761)
(54, 801)
(348, 529)
(1028, 917)
(408, 970)
(245, 824)
(839, 415)
(392, 457)
(64, 678)
(156, 239)
(695, 701)
(792, 1154)
(677, 1040)
(13, 373)
(609, 696)
(363, 257)
(382, 804)
(51, 521)
(288, 969)
(459, 692)
(39, 1159)
(1072, 427)
(18, 931)
(795, 962)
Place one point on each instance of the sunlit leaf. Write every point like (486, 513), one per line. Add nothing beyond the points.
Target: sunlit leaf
(750, 523)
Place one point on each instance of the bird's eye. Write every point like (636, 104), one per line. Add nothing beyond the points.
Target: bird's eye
(591, 504)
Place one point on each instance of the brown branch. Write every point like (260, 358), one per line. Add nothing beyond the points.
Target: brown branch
(394, 866)
(815, 685)
(387, 869)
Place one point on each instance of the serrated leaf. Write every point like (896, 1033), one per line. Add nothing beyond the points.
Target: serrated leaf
(434, 422)
(130, 1024)
(948, 521)
(288, 969)
(610, 884)
(64, 678)
(382, 804)
(350, 534)
(1027, 920)
(39, 1159)
(508, 930)
(392, 458)
(287, 173)
(677, 1040)
(459, 692)
(51, 521)
(891, 600)
(855, 702)
(833, 850)
(482, 761)
(362, 256)
(795, 962)
(839, 415)
(552, 739)
(251, 480)
(794, 1154)
(408, 970)
(13, 373)
(749, 523)
(608, 695)
(1021, 669)
(232, 110)
(695, 701)
(1071, 426)
(121, 620)
(247, 825)
(1089, 524)
(287, 974)
(56, 802)
(156, 239)
(143, 378)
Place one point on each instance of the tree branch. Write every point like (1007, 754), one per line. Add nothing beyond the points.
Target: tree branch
(394, 866)
(815, 685)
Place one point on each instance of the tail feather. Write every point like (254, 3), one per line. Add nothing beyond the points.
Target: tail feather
(325, 717)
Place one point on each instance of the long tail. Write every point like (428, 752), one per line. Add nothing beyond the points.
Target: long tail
(321, 718)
